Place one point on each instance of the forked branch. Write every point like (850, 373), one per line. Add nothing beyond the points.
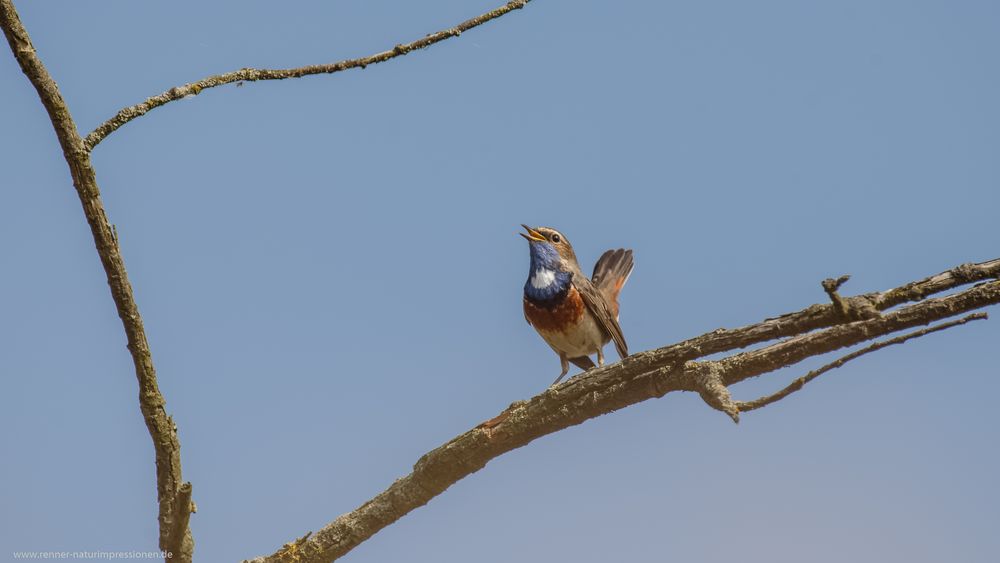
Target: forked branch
(746, 406)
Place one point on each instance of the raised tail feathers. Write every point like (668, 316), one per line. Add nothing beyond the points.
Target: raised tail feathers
(611, 272)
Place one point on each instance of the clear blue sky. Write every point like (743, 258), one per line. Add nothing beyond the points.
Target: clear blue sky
(331, 282)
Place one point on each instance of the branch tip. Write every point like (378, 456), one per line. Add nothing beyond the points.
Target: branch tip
(830, 286)
(708, 382)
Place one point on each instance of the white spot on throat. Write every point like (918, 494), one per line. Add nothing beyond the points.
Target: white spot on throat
(543, 278)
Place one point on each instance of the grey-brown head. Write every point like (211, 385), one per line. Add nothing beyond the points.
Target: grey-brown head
(550, 249)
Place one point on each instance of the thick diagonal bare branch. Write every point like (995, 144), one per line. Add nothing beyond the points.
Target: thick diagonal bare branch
(151, 403)
(643, 376)
(253, 74)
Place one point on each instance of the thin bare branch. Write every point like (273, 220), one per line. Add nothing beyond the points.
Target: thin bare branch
(252, 74)
(151, 403)
(746, 406)
(643, 376)
(793, 350)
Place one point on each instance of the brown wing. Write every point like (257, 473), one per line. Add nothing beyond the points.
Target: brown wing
(599, 307)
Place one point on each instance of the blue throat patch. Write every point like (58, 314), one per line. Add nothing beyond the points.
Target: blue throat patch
(545, 262)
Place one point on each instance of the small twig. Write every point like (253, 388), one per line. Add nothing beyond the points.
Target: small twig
(830, 286)
(799, 383)
(253, 74)
(850, 308)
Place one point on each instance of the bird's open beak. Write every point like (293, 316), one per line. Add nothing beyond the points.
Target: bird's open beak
(533, 235)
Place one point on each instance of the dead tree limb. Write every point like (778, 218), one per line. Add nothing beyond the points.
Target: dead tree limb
(171, 491)
(814, 331)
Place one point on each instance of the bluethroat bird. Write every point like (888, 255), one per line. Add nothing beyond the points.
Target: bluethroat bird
(575, 315)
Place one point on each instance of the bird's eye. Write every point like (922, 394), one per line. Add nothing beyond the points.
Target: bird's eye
(556, 238)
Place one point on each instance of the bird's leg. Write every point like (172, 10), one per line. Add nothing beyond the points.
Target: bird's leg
(600, 356)
(565, 368)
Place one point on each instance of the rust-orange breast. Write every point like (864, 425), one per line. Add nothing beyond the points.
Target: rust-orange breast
(560, 316)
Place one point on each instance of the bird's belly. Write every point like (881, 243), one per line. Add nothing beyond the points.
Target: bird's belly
(583, 339)
(568, 327)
